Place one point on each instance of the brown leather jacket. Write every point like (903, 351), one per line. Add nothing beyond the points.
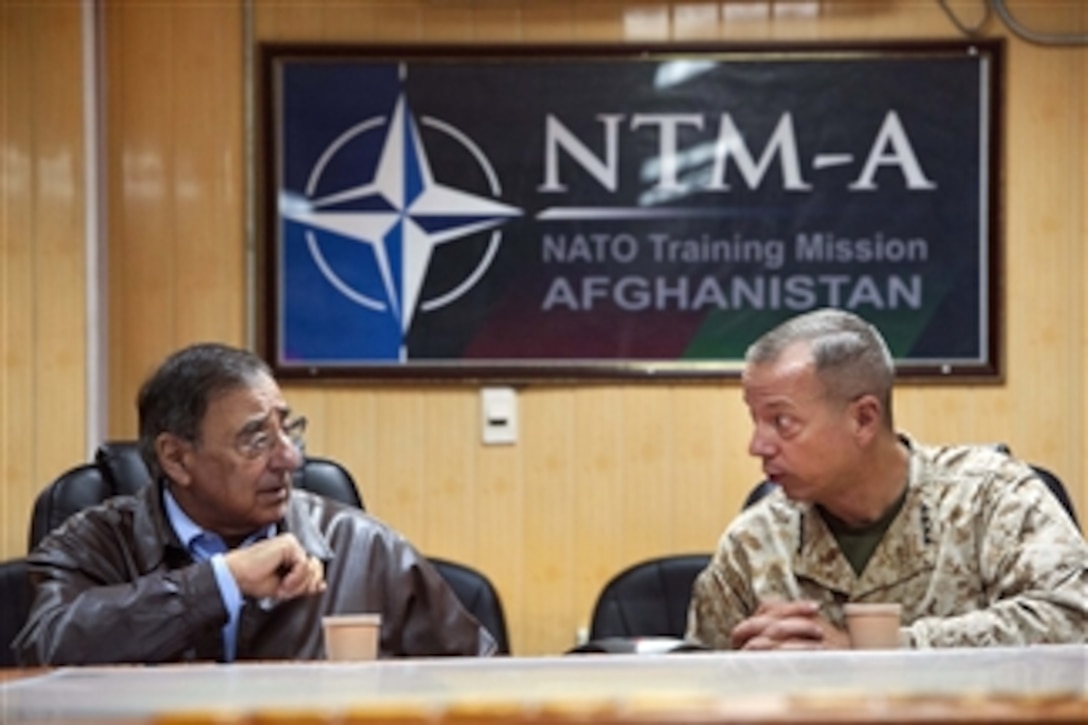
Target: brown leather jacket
(113, 584)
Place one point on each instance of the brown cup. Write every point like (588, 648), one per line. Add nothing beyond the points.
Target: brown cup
(873, 626)
(351, 637)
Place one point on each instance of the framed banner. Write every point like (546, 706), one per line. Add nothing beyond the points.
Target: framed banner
(554, 212)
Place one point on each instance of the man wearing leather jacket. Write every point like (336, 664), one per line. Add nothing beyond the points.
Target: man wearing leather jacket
(220, 560)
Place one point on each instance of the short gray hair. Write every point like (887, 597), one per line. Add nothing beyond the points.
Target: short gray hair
(850, 355)
(175, 397)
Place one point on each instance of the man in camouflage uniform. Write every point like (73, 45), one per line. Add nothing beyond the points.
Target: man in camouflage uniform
(968, 540)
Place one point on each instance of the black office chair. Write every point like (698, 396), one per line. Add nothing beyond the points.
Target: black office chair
(478, 596)
(648, 599)
(14, 606)
(117, 470)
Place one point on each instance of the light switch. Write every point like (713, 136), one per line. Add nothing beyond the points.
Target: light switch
(499, 411)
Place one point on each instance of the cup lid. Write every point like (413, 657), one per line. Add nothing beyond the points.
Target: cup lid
(352, 619)
(871, 608)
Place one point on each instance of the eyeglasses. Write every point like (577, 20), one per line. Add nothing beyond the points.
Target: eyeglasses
(260, 443)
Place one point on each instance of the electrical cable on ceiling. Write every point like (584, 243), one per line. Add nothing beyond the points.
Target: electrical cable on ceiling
(970, 31)
(1032, 36)
(1015, 26)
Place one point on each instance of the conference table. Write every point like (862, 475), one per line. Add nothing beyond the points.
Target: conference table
(1041, 684)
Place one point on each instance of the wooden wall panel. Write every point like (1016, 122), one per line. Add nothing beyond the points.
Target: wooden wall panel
(545, 23)
(141, 247)
(16, 289)
(543, 610)
(448, 453)
(176, 164)
(1041, 246)
(59, 279)
(1077, 436)
(399, 483)
(207, 191)
(351, 427)
(447, 23)
(645, 417)
(42, 279)
(600, 491)
(16, 405)
(711, 470)
(495, 22)
(603, 473)
(501, 510)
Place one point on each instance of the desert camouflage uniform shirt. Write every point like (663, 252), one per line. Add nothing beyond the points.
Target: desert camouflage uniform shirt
(981, 553)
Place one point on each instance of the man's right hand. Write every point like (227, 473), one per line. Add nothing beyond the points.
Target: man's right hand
(787, 625)
(278, 568)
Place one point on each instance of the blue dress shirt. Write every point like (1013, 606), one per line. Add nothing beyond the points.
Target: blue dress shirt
(207, 546)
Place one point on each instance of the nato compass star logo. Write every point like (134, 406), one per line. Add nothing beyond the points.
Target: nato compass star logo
(401, 214)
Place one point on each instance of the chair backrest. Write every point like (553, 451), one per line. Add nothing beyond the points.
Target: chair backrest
(1058, 489)
(648, 599)
(74, 490)
(758, 491)
(478, 596)
(118, 470)
(1052, 482)
(123, 467)
(14, 606)
(328, 478)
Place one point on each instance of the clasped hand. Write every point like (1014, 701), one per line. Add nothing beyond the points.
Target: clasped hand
(277, 568)
(788, 625)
